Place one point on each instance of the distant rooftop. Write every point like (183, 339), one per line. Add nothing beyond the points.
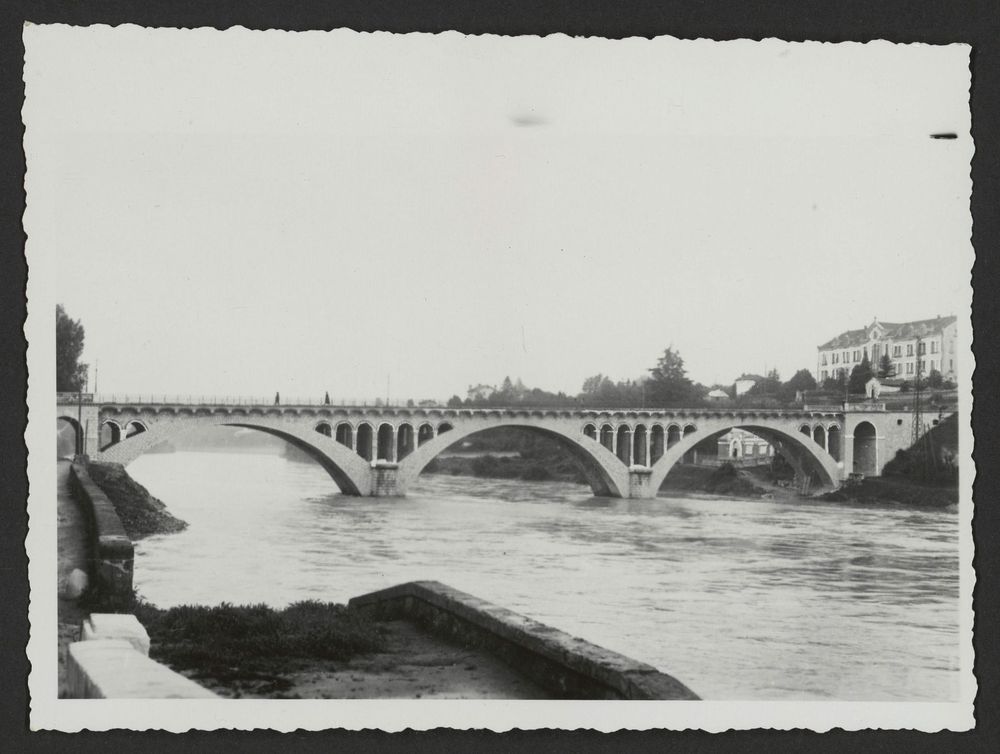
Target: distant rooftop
(896, 331)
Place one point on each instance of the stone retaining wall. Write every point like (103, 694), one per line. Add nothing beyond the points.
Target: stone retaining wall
(112, 663)
(111, 549)
(567, 667)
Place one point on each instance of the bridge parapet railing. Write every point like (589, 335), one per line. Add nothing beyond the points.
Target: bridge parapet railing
(67, 397)
(235, 400)
(864, 406)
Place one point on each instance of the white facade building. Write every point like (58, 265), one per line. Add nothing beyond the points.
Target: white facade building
(927, 344)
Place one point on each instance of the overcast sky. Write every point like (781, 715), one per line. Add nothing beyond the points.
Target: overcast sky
(242, 212)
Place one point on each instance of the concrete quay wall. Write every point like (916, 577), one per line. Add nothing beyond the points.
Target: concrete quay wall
(112, 663)
(564, 665)
(113, 557)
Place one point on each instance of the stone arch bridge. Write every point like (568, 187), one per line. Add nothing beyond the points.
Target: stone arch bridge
(380, 451)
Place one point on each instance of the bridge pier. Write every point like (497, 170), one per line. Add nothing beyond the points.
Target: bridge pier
(385, 479)
(639, 483)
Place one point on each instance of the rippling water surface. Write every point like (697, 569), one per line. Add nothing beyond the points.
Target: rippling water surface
(738, 599)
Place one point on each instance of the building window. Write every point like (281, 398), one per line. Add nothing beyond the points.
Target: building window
(923, 365)
(836, 358)
(856, 352)
(823, 360)
(822, 375)
(951, 365)
(933, 365)
(909, 349)
(909, 368)
(897, 350)
(933, 346)
(923, 348)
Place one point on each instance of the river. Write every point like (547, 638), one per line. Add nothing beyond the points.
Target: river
(739, 599)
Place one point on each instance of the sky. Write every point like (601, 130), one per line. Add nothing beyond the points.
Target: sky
(240, 212)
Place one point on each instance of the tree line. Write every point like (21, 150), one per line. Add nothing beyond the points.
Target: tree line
(665, 385)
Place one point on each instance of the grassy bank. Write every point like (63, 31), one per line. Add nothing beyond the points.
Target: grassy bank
(896, 490)
(141, 514)
(507, 467)
(714, 480)
(254, 649)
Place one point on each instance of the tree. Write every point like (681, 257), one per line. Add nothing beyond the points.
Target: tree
(835, 383)
(885, 368)
(799, 383)
(934, 380)
(668, 383)
(71, 375)
(860, 375)
(770, 385)
(592, 385)
(454, 402)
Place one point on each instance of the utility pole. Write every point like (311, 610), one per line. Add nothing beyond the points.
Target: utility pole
(917, 408)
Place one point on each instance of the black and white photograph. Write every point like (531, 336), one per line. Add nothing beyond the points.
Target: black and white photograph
(476, 381)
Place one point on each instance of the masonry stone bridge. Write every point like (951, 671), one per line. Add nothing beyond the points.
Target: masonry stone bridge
(380, 451)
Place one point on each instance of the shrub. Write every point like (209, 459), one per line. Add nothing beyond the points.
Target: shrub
(255, 644)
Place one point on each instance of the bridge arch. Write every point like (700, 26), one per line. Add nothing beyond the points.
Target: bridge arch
(795, 443)
(865, 448)
(110, 433)
(77, 430)
(425, 432)
(351, 473)
(135, 427)
(344, 434)
(606, 475)
(406, 440)
(365, 441)
(834, 439)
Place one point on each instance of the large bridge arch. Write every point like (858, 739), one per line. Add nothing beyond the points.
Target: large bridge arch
(789, 441)
(351, 472)
(606, 475)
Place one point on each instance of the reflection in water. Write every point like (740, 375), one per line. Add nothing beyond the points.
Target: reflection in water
(738, 599)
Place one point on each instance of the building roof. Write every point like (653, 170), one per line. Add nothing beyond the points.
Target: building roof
(751, 377)
(905, 331)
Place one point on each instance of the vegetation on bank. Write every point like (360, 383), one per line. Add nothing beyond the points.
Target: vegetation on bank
(506, 467)
(248, 649)
(255, 648)
(896, 490)
(141, 514)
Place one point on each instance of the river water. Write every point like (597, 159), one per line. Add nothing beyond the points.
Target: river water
(743, 600)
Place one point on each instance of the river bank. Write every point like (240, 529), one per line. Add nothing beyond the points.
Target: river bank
(141, 514)
(689, 480)
(313, 650)
(896, 490)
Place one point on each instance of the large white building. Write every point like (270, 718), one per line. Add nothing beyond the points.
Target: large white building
(927, 343)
